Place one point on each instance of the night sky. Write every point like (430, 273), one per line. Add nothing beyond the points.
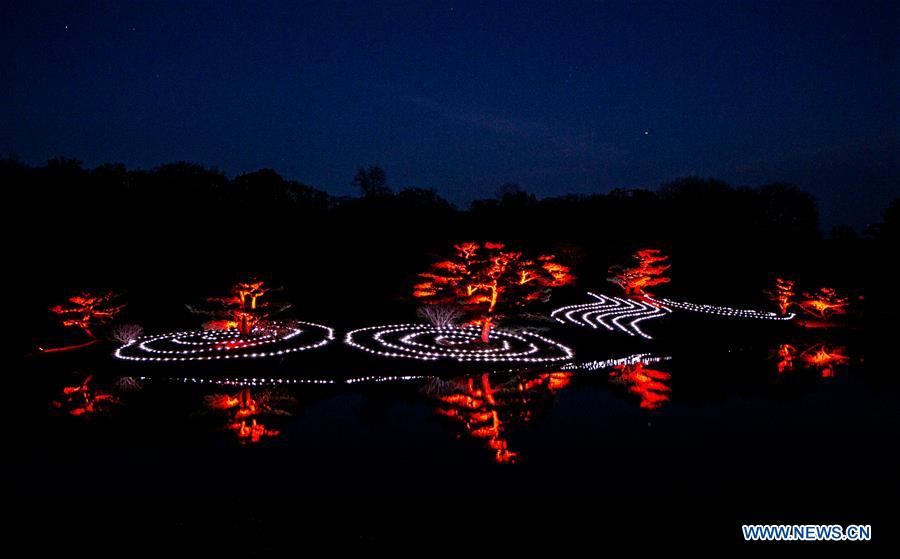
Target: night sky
(557, 97)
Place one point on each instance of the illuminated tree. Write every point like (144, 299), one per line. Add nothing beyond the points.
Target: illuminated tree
(783, 294)
(87, 310)
(484, 277)
(243, 309)
(824, 304)
(648, 272)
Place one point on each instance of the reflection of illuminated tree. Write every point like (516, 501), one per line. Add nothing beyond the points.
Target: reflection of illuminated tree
(649, 384)
(87, 310)
(481, 277)
(244, 412)
(243, 309)
(486, 411)
(822, 357)
(84, 399)
(649, 272)
(824, 303)
(783, 294)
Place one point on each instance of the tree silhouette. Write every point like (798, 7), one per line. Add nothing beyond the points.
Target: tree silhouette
(372, 181)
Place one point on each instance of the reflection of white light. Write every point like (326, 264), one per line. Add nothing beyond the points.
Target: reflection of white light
(612, 313)
(591, 366)
(210, 345)
(417, 341)
(721, 311)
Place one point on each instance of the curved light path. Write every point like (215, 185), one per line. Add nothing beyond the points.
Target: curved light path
(431, 343)
(281, 338)
(721, 311)
(613, 313)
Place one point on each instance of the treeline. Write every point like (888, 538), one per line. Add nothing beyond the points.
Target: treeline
(181, 208)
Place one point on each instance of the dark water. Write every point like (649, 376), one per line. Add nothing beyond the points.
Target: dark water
(707, 436)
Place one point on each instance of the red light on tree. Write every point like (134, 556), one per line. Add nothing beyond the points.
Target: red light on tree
(244, 309)
(649, 272)
(648, 384)
(783, 294)
(824, 303)
(87, 310)
(484, 277)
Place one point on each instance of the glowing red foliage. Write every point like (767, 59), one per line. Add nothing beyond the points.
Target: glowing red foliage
(822, 357)
(479, 277)
(824, 304)
(84, 399)
(243, 309)
(649, 384)
(648, 272)
(485, 410)
(87, 310)
(783, 294)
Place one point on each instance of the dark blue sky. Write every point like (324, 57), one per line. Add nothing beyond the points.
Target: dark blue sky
(558, 97)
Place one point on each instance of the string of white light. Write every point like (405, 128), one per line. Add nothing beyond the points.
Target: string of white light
(276, 339)
(432, 343)
(613, 313)
(721, 311)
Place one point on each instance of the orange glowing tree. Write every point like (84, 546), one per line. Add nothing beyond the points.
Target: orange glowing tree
(87, 310)
(824, 304)
(244, 309)
(244, 412)
(482, 277)
(783, 294)
(648, 384)
(649, 272)
(487, 410)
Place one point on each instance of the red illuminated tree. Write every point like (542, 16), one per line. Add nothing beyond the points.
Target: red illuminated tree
(87, 310)
(824, 303)
(783, 294)
(243, 309)
(84, 399)
(482, 277)
(649, 272)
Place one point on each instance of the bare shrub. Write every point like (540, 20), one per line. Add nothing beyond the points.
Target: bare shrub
(440, 316)
(126, 333)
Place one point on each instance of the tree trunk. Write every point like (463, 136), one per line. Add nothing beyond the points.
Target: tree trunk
(486, 330)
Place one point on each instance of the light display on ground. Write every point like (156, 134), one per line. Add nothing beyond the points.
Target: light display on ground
(624, 315)
(612, 313)
(430, 343)
(720, 311)
(273, 340)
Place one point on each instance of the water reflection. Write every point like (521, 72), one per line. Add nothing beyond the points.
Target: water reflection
(245, 410)
(822, 357)
(648, 384)
(486, 408)
(85, 399)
